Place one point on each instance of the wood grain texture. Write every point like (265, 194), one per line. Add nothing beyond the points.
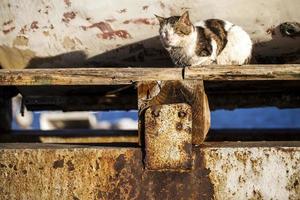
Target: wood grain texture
(87, 76)
(244, 72)
(121, 76)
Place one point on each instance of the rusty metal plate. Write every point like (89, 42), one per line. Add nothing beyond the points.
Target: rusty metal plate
(168, 137)
(221, 170)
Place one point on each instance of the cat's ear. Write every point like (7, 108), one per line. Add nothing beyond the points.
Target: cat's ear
(160, 19)
(184, 18)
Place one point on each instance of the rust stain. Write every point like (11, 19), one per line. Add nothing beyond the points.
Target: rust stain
(102, 26)
(256, 195)
(112, 35)
(75, 198)
(120, 162)
(20, 41)
(123, 10)
(145, 7)
(69, 43)
(7, 23)
(46, 33)
(70, 165)
(68, 16)
(293, 185)
(23, 29)
(271, 31)
(168, 145)
(145, 21)
(242, 157)
(179, 126)
(58, 164)
(107, 31)
(34, 25)
(110, 20)
(6, 31)
(68, 3)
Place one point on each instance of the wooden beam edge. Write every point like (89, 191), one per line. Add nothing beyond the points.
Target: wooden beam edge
(120, 76)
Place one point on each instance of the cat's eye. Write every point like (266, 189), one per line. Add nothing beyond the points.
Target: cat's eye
(184, 31)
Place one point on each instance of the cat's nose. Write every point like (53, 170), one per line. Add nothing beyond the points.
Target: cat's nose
(167, 36)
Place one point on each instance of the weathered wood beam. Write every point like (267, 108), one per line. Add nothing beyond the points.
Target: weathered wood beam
(87, 76)
(121, 76)
(244, 72)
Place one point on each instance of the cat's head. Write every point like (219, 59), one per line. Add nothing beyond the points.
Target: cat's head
(174, 29)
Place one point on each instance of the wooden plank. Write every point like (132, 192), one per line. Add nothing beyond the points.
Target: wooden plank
(121, 76)
(168, 92)
(244, 72)
(87, 76)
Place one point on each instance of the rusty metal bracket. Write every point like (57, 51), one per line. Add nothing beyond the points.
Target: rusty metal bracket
(192, 92)
(168, 137)
(173, 115)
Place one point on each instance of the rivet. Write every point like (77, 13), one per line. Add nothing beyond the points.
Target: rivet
(179, 126)
(155, 112)
(181, 114)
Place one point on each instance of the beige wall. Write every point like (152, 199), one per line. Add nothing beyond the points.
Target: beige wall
(56, 33)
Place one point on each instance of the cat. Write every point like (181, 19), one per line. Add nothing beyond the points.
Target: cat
(212, 41)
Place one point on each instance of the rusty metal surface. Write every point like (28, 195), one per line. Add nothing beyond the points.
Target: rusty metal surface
(168, 137)
(235, 170)
(56, 33)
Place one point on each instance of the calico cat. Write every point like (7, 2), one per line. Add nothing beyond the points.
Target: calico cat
(212, 41)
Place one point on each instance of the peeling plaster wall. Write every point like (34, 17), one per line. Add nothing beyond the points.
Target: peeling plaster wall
(57, 33)
(254, 173)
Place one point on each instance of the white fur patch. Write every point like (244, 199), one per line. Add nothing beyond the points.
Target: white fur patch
(200, 23)
(238, 48)
(227, 25)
